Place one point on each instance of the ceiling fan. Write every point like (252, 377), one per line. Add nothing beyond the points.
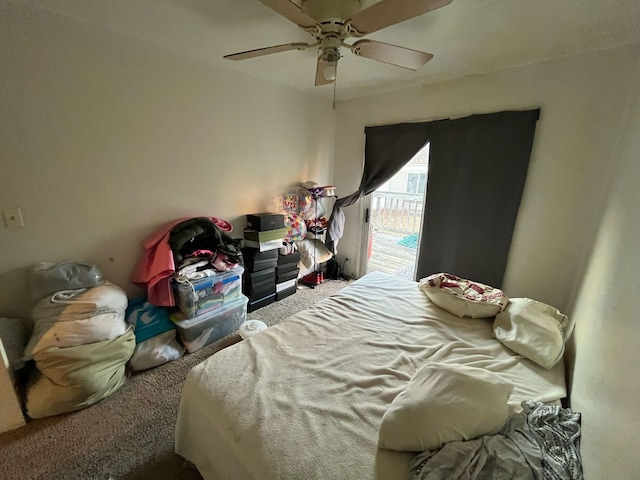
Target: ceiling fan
(331, 22)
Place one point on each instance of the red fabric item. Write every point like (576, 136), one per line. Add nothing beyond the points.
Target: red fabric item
(155, 267)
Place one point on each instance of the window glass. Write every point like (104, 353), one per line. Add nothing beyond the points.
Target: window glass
(416, 182)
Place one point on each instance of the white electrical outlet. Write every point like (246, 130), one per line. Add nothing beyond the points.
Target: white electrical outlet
(13, 217)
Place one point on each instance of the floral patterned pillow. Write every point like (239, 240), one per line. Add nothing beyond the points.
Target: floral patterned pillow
(462, 297)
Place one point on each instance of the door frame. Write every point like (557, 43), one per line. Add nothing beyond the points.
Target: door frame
(365, 225)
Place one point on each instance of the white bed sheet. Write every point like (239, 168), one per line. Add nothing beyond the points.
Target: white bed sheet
(304, 399)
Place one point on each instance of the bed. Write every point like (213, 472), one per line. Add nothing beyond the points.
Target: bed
(305, 399)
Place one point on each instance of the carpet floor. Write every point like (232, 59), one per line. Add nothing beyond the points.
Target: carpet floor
(130, 434)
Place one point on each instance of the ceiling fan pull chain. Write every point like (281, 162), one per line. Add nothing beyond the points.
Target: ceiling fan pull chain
(335, 82)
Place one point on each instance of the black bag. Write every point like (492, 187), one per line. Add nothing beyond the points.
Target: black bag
(333, 270)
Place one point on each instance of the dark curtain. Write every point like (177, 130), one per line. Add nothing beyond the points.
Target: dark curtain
(387, 149)
(477, 170)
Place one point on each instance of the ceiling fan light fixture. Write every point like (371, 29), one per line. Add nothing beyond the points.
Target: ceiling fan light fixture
(331, 22)
(329, 72)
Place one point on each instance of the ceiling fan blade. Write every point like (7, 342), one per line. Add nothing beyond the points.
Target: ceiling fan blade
(321, 79)
(389, 12)
(258, 52)
(292, 10)
(391, 54)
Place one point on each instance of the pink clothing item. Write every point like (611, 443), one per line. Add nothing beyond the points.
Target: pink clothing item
(155, 267)
(222, 263)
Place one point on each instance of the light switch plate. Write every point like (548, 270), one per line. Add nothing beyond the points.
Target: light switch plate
(13, 217)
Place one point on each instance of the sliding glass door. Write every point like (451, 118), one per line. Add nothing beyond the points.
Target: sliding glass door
(392, 227)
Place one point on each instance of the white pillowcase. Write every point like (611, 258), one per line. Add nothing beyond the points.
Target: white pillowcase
(464, 298)
(444, 403)
(534, 330)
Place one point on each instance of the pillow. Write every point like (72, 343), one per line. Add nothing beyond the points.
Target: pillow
(444, 403)
(534, 330)
(313, 252)
(464, 298)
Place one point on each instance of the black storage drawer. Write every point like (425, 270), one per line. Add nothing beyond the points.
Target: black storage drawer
(261, 292)
(260, 275)
(286, 293)
(255, 254)
(286, 267)
(265, 221)
(285, 277)
(257, 265)
(291, 258)
(258, 281)
(263, 302)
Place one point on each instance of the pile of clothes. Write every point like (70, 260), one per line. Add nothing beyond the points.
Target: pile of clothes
(80, 341)
(192, 248)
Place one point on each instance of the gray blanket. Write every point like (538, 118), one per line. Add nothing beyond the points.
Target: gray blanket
(541, 442)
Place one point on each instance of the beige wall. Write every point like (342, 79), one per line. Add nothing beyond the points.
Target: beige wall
(606, 385)
(580, 99)
(104, 139)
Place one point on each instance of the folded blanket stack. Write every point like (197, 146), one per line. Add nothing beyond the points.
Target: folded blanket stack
(80, 345)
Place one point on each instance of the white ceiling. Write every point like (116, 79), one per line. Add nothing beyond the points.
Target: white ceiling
(466, 37)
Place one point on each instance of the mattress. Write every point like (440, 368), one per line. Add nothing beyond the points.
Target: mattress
(304, 399)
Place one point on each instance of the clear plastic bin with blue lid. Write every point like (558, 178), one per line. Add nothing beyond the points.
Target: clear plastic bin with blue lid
(195, 297)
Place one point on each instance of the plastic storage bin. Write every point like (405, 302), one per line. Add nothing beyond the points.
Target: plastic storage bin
(195, 297)
(147, 319)
(202, 330)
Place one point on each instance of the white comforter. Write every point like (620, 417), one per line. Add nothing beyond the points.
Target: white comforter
(304, 399)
